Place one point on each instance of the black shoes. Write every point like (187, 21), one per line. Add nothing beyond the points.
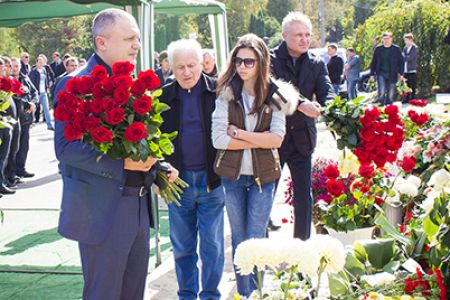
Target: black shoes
(25, 174)
(6, 190)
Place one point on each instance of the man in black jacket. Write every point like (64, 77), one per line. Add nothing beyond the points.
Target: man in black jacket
(199, 218)
(387, 64)
(292, 62)
(335, 67)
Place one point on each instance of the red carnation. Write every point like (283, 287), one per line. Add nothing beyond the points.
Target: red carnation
(102, 135)
(150, 79)
(121, 95)
(334, 187)
(72, 132)
(99, 73)
(122, 68)
(142, 105)
(115, 116)
(367, 171)
(408, 164)
(367, 135)
(332, 171)
(135, 132)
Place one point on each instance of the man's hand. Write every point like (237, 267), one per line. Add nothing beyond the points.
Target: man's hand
(310, 109)
(143, 166)
(31, 109)
(173, 175)
(402, 78)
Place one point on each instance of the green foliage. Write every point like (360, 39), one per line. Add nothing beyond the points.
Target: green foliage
(428, 20)
(280, 8)
(167, 29)
(363, 10)
(263, 25)
(8, 44)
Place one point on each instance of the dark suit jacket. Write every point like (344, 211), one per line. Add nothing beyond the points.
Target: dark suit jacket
(411, 58)
(397, 64)
(91, 189)
(160, 75)
(310, 76)
(172, 123)
(335, 69)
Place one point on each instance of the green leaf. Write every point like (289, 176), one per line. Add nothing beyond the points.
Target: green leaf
(353, 265)
(160, 107)
(156, 93)
(381, 221)
(170, 136)
(392, 267)
(4, 106)
(130, 118)
(429, 227)
(339, 284)
(379, 252)
(352, 139)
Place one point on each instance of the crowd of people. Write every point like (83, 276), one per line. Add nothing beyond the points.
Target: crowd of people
(236, 131)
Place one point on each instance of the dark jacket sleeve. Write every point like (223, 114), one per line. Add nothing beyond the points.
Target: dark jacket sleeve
(324, 89)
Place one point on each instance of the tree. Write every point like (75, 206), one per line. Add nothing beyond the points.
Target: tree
(280, 8)
(263, 25)
(429, 21)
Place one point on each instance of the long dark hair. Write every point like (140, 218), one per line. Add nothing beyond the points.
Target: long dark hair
(253, 42)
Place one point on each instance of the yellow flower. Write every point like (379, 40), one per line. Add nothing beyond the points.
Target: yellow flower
(349, 164)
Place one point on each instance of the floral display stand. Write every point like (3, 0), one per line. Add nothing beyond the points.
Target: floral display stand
(349, 237)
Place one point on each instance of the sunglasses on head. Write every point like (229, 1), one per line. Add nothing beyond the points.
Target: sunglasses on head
(248, 62)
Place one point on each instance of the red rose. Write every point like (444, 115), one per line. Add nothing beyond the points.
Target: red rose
(121, 95)
(115, 116)
(365, 121)
(142, 105)
(372, 113)
(395, 119)
(334, 187)
(97, 106)
(367, 135)
(108, 86)
(124, 67)
(138, 88)
(332, 171)
(135, 132)
(367, 171)
(16, 86)
(64, 114)
(102, 135)
(422, 119)
(363, 155)
(92, 122)
(99, 73)
(97, 91)
(150, 79)
(420, 102)
(391, 109)
(408, 164)
(85, 85)
(73, 85)
(379, 200)
(5, 84)
(72, 132)
(108, 104)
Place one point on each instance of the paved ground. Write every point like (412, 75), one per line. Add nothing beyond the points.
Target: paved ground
(33, 211)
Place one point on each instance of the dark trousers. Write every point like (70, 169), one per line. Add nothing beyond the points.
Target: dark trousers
(411, 81)
(116, 268)
(5, 136)
(24, 145)
(301, 179)
(11, 168)
(37, 113)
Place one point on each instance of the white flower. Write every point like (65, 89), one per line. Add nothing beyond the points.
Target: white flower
(428, 204)
(330, 250)
(378, 279)
(414, 180)
(349, 164)
(439, 180)
(256, 252)
(298, 253)
(394, 200)
(408, 189)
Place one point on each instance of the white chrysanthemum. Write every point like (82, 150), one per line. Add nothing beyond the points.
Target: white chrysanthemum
(298, 253)
(394, 200)
(399, 182)
(378, 279)
(408, 189)
(428, 204)
(440, 179)
(256, 252)
(416, 181)
(331, 250)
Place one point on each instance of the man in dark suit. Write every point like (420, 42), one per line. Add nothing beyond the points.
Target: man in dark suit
(164, 72)
(410, 54)
(57, 65)
(387, 65)
(292, 62)
(335, 67)
(105, 203)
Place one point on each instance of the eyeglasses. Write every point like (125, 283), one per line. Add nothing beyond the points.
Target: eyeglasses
(248, 62)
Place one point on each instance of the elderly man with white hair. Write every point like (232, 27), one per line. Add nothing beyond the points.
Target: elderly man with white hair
(199, 219)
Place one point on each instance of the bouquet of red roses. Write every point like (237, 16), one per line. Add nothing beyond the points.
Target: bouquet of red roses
(119, 116)
(8, 87)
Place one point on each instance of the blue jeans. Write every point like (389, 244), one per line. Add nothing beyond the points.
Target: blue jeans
(43, 100)
(351, 89)
(386, 89)
(200, 214)
(248, 211)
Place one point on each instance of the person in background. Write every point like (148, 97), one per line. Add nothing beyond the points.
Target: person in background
(352, 69)
(209, 63)
(410, 55)
(25, 63)
(248, 125)
(55, 64)
(71, 64)
(164, 72)
(335, 67)
(387, 65)
(292, 62)
(81, 62)
(196, 226)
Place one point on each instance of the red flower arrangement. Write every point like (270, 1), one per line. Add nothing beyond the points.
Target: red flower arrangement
(418, 102)
(425, 284)
(119, 116)
(417, 118)
(9, 86)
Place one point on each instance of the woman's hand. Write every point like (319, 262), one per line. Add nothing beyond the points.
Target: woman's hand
(231, 131)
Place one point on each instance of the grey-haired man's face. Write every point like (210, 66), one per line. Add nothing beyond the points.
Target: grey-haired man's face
(297, 38)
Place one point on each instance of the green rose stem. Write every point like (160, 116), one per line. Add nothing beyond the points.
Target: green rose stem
(259, 276)
(172, 190)
(322, 266)
(291, 275)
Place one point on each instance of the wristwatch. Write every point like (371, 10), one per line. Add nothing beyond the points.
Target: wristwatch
(234, 133)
